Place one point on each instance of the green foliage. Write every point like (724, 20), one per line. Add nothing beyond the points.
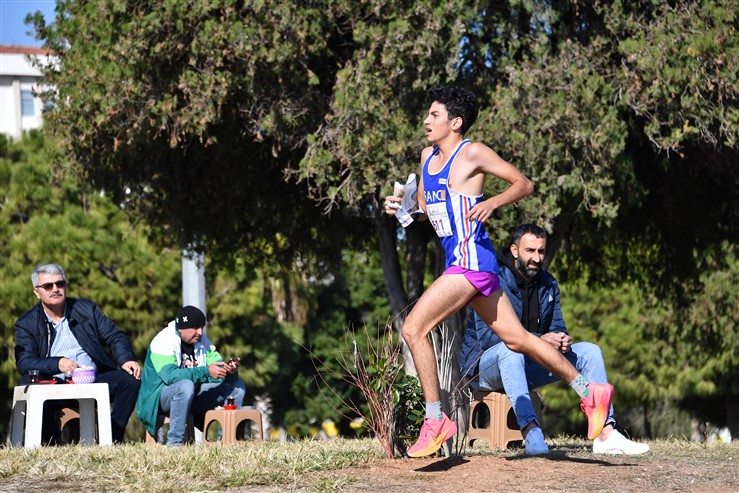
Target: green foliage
(191, 115)
(679, 99)
(388, 402)
(610, 108)
(702, 340)
(352, 297)
(48, 219)
(236, 126)
(678, 71)
(372, 133)
(384, 375)
(138, 285)
(551, 116)
(618, 321)
(242, 323)
(286, 330)
(657, 353)
(709, 323)
(409, 408)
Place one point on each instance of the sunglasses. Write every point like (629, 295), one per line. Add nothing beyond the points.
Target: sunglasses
(47, 286)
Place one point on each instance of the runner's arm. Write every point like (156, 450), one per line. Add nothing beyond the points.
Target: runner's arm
(489, 162)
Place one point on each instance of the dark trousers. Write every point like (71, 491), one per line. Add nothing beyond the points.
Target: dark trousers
(124, 390)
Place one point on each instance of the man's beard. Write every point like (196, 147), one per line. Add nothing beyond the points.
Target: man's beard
(525, 270)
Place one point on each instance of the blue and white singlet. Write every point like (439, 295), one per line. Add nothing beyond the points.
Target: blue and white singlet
(466, 243)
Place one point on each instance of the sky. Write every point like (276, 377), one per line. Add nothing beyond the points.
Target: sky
(12, 13)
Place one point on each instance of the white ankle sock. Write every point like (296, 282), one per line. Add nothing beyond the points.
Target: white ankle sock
(580, 385)
(433, 410)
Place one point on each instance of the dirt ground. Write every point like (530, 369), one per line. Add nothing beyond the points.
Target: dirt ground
(667, 467)
(671, 466)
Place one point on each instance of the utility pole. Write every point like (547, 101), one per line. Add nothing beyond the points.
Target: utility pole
(193, 279)
(193, 291)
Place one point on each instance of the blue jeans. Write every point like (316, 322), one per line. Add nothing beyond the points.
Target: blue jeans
(183, 398)
(516, 374)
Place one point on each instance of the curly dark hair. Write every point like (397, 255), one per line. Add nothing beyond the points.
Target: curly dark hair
(458, 101)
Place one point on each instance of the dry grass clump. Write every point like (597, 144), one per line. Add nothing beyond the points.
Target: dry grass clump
(138, 467)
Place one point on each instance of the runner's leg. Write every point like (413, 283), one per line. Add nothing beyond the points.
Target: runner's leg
(595, 398)
(496, 311)
(445, 296)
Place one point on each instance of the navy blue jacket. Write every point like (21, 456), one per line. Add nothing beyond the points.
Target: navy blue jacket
(478, 337)
(100, 338)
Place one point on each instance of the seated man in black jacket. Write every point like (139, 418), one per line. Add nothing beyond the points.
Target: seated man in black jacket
(60, 334)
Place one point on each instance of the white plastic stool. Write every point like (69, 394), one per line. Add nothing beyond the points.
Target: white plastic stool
(28, 410)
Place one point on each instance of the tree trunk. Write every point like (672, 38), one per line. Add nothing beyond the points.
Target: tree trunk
(698, 427)
(647, 423)
(387, 238)
(732, 416)
(287, 299)
(418, 236)
(386, 230)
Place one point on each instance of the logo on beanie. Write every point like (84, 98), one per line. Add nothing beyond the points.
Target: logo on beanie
(190, 317)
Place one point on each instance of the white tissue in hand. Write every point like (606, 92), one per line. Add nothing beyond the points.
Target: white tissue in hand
(408, 202)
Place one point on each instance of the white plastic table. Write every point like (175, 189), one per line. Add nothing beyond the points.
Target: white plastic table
(28, 410)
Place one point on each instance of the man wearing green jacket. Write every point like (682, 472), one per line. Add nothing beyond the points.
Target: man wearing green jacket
(183, 375)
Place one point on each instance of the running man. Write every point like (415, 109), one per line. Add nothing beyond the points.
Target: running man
(450, 193)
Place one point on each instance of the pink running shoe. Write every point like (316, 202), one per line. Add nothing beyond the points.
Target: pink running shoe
(596, 406)
(433, 434)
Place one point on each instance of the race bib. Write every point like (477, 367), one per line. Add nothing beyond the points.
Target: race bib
(439, 219)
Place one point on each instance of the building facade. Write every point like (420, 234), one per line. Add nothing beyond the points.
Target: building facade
(21, 108)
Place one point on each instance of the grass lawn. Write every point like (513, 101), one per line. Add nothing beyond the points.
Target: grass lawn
(360, 465)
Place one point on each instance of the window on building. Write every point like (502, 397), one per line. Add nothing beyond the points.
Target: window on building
(27, 108)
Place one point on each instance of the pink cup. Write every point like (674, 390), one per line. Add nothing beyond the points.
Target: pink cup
(84, 374)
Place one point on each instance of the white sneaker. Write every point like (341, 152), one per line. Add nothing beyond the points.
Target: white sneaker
(619, 444)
